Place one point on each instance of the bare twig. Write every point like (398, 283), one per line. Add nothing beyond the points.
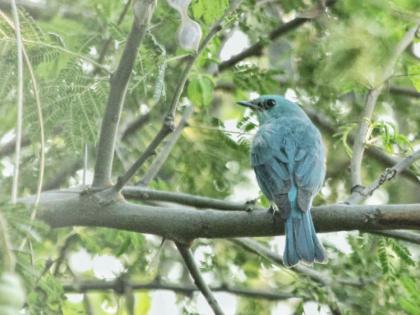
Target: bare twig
(255, 247)
(39, 114)
(198, 279)
(118, 89)
(167, 148)
(63, 251)
(64, 172)
(19, 103)
(134, 125)
(187, 289)
(87, 304)
(8, 256)
(330, 129)
(108, 42)
(168, 123)
(398, 90)
(373, 94)
(282, 29)
(407, 236)
(9, 147)
(389, 173)
(143, 193)
(359, 140)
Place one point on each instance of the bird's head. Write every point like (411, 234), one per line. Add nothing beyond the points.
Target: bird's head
(272, 106)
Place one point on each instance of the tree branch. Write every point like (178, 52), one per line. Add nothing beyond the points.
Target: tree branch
(186, 289)
(118, 89)
(279, 31)
(168, 123)
(329, 127)
(19, 100)
(407, 236)
(166, 150)
(198, 279)
(143, 194)
(389, 173)
(77, 208)
(399, 90)
(132, 126)
(257, 248)
(108, 42)
(373, 94)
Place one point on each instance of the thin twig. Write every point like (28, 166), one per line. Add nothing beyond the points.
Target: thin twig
(63, 251)
(108, 42)
(118, 89)
(168, 123)
(166, 150)
(19, 102)
(373, 94)
(408, 236)
(144, 193)
(279, 31)
(87, 304)
(187, 289)
(399, 90)
(390, 173)
(198, 279)
(39, 114)
(330, 129)
(277, 259)
(134, 125)
(9, 260)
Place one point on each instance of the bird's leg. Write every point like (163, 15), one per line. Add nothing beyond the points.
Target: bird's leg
(251, 204)
(274, 210)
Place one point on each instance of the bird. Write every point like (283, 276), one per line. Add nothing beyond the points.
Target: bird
(288, 158)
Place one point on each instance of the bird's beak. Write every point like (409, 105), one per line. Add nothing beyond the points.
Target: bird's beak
(247, 104)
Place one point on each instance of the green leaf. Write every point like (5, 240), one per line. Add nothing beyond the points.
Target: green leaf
(209, 11)
(414, 76)
(200, 90)
(143, 303)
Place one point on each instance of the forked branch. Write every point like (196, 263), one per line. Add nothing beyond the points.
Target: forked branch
(118, 89)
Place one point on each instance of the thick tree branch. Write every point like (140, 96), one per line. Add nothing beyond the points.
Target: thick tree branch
(118, 89)
(168, 123)
(186, 289)
(76, 208)
(198, 279)
(147, 194)
(166, 150)
(279, 31)
(372, 97)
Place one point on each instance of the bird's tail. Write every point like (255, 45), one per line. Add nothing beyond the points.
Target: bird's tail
(301, 240)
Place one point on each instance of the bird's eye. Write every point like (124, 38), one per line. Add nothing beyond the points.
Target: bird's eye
(269, 103)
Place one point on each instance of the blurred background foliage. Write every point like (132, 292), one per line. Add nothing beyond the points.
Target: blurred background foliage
(326, 65)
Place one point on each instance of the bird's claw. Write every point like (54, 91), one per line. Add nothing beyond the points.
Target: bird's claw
(274, 210)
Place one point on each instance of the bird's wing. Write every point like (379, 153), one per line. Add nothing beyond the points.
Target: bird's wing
(309, 168)
(270, 165)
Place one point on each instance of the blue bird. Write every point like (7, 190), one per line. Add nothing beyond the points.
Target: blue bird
(288, 158)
